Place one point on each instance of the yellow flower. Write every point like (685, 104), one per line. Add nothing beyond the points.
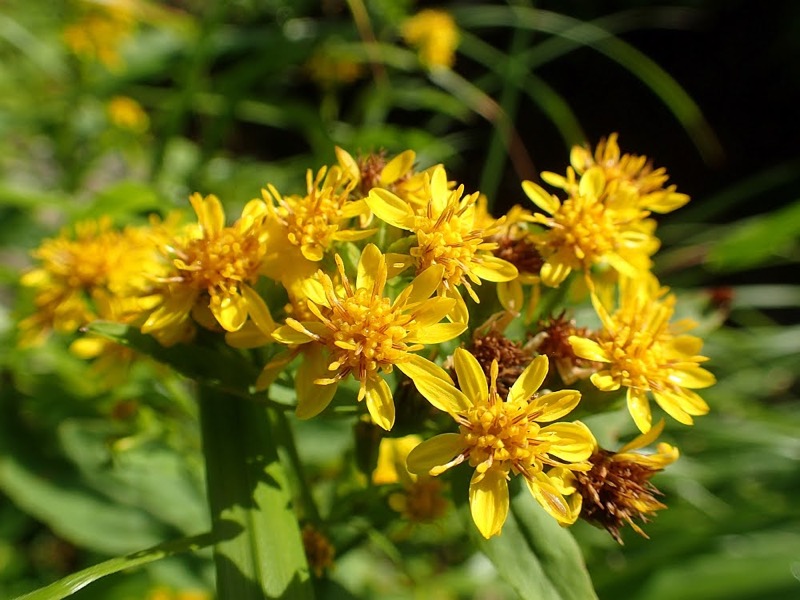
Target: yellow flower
(101, 31)
(446, 235)
(592, 227)
(329, 67)
(360, 331)
(421, 499)
(627, 172)
(435, 34)
(80, 280)
(126, 113)
(617, 488)
(643, 352)
(303, 228)
(213, 269)
(500, 438)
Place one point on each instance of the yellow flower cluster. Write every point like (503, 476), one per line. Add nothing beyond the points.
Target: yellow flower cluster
(374, 270)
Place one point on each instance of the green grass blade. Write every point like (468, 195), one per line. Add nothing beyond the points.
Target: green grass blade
(592, 35)
(77, 581)
(247, 486)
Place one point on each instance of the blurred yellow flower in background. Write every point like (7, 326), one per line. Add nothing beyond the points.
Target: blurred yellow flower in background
(434, 34)
(126, 113)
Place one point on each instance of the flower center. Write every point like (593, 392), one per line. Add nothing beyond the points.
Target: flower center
(500, 434)
(446, 242)
(367, 334)
(222, 262)
(585, 227)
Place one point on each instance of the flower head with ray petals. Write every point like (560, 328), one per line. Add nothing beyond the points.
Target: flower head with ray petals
(446, 235)
(213, 269)
(360, 331)
(645, 353)
(591, 228)
(499, 438)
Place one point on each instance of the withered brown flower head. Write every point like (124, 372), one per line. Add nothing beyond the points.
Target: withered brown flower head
(319, 550)
(618, 490)
(553, 340)
(511, 357)
(370, 168)
(519, 251)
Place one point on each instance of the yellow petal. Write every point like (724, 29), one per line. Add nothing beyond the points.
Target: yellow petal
(645, 439)
(370, 265)
(510, 295)
(313, 398)
(540, 197)
(471, 378)
(666, 202)
(432, 311)
(312, 252)
(488, 501)
(397, 167)
(605, 381)
(639, 407)
(436, 333)
(529, 381)
(588, 349)
(379, 403)
(351, 235)
(258, 311)
(390, 208)
(439, 190)
(230, 312)
(435, 452)
(440, 393)
(685, 400)
(348, 163)
(692, 377)
(687, 345)
(249, 336)
(209, 213)
(295, 332)
(425, 284)
(571, 442)
(592, 183)
(554, 274)
(88, 347)
(554, 405)
(314, 290)
(494, 269)
(549, 496)
(554, 179)
(397, 263)
(459, 313)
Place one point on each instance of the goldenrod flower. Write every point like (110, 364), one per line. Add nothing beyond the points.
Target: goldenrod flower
(213, 269)
(303, 228)
(643, 352)
(360, 331)
(446, 235)
(629, 173)
(101, 31)
(591, 228)
(80, 277)
(435, 34)
(421, 499)
(127, 113)
(617, 488)
(499, 438)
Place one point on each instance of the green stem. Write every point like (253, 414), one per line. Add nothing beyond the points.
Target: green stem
(247, 489)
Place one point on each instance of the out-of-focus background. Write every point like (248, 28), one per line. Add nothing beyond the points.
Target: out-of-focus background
(125, 107)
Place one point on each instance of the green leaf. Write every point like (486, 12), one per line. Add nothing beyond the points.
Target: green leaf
(757, 240)
(122, 199)
(76, 581)
(536, 556)
(216, 366)
(247, 485)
